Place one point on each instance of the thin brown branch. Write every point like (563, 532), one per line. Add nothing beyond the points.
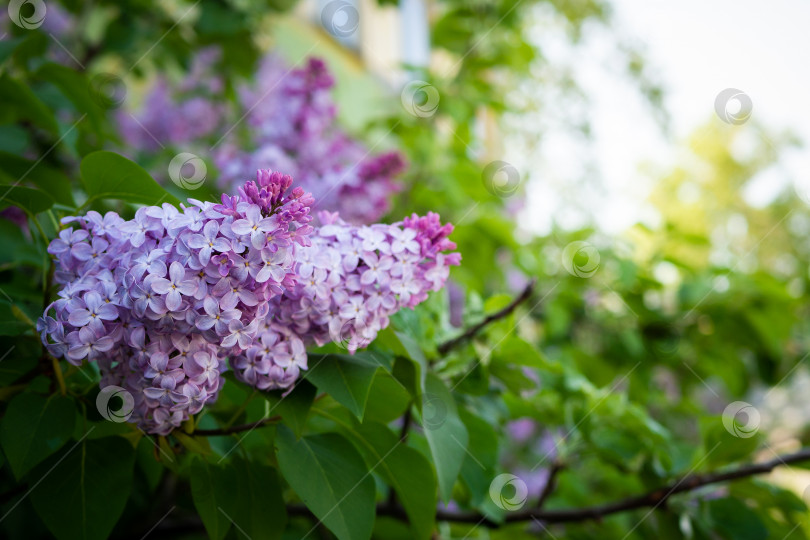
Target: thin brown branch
(551, 483)
(245, 427)
(447, 346)
(652, 499)
(406, 424)
(237, 429)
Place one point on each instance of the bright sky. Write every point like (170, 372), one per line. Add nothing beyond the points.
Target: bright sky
(697, 48)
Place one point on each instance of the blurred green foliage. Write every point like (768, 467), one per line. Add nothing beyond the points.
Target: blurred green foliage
(624, 366)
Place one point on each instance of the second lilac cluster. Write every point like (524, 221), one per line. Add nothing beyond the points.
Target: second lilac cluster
(291, 120)
(180, 114)
(352, 279)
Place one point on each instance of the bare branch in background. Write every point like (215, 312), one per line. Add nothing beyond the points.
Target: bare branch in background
(468, 334)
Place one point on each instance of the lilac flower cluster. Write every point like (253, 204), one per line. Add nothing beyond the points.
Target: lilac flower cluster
(178, 114)
(159, 302)
(293, 120)
(349, 281)
(292, 126)
(352, 279)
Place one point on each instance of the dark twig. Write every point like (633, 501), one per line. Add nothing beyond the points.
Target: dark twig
(236, 429)
(447, 346)
(652, 499)
(406, 425)
(245, 427)
(551, 483)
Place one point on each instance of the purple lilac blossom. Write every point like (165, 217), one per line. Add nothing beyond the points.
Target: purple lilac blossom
(292, 126)
(179, 114)
(352, 279)
(160, 301)
(293, 122)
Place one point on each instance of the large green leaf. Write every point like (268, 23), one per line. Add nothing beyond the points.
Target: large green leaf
(11, 324)
(329, 475)
(343, 378)
(478, 468)
(85, 488)
(34, 427)
(52, 181)
(31, 200)
(445, 433)
(381, 359)
(406, 373)
(407, 471)
(514, 350)
(23, 356)
(211, 486)
(240, 493)
(415, 353)
(107, 175)
(258, 506)
(19, 100)
(294, 406)
(735, 521)
(387, 399)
